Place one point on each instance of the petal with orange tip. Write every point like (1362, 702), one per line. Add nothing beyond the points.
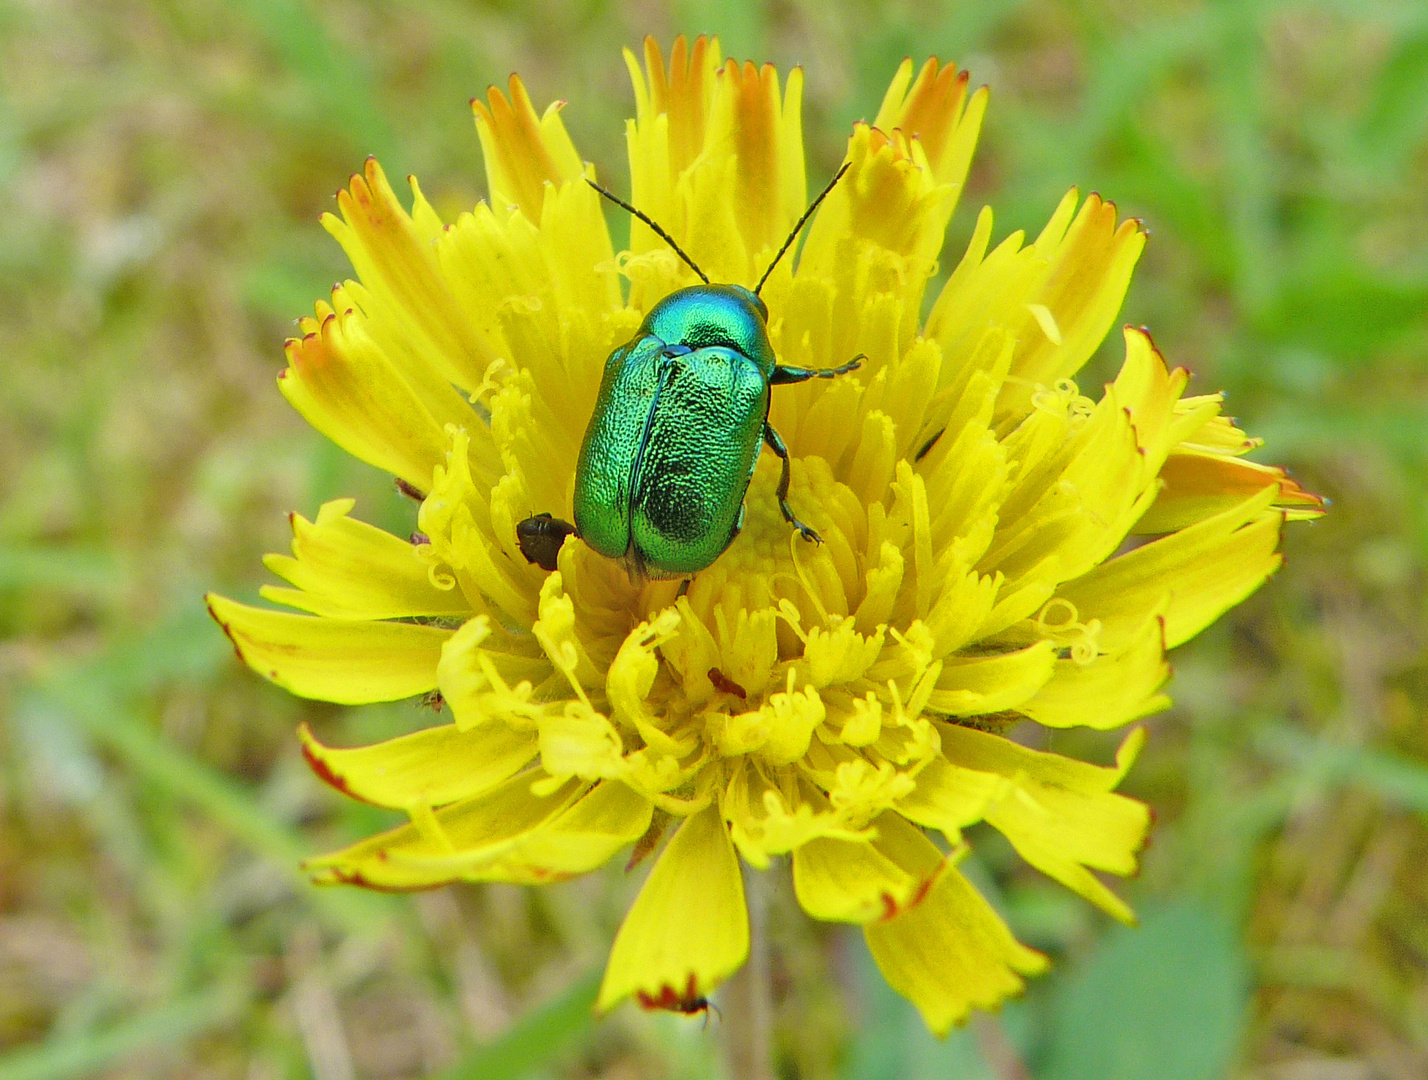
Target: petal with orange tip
(1200, 485)
(431, 767)
(664, 142)
(763, 131)
(412, 308)
(931, 110)
(1089, 270)
(951, 953)
(688, 929)
(867, 258)
(523, 151)
(1057, 296)
(886, 198)
(683, 91)
(345, 387)
(348, 661)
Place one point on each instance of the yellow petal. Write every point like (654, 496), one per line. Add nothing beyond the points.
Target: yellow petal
(484, 683)
(931, 110)
(986, 684)
(1073, 278)
(479, 829)
(980, 750)
(749, 121)
(577, 839)
(765, 821)
(869, 253)
(523, 152)
(1090, 269)
(1190, 577)
(1060, 814)
(346, 661)
(951, 953)
(1197, 485)
(1112, 690)
(585, 836)
(860, 881)
(431, 767)
(949, 797)
(347, 569)
(688, 929)
(683, 91)
(411, 305)
(346, 387)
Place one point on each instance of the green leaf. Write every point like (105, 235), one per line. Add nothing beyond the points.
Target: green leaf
(1166, 1000)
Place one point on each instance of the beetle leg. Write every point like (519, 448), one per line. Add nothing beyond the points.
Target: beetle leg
(777, 446)
(782, 375)
(738, 524)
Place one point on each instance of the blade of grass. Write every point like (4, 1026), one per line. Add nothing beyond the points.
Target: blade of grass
(332, 74)
(72, 569)
(533, 1039)
(87, 1053)
(188, 780)
(94, 695)
(1399, 780)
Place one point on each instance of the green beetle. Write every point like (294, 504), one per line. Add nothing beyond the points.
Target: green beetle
(677, 428)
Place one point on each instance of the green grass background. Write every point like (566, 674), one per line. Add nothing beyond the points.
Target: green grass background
(162, 167)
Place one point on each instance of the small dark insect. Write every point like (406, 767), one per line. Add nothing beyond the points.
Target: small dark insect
(410, 491)
(690, 1003)
(927, 447)
(419, 538)
(726, 685)
(540, 538)
(433, 700)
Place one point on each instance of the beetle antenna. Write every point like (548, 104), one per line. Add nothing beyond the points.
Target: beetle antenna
(652, 224)
(798, 225)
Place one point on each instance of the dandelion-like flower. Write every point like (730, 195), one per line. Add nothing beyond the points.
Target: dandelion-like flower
(998, 547)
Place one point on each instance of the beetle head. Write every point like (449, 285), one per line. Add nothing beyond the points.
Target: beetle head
(754, 299)
(724, 316)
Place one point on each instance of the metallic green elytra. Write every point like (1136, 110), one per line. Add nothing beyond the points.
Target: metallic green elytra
(678, 425)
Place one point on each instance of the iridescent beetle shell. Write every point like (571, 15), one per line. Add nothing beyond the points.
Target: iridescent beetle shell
(676, 432)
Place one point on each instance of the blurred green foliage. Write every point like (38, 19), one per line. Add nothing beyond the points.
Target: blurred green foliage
(162, 166)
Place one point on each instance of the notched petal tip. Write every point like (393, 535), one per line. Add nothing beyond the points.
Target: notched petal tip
(333, 875)
(211, 601)
(312, 753)
(688, 929)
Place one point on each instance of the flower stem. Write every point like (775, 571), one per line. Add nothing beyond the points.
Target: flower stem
(748, 1000)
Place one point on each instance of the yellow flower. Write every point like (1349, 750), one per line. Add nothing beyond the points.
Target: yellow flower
(998, 547)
